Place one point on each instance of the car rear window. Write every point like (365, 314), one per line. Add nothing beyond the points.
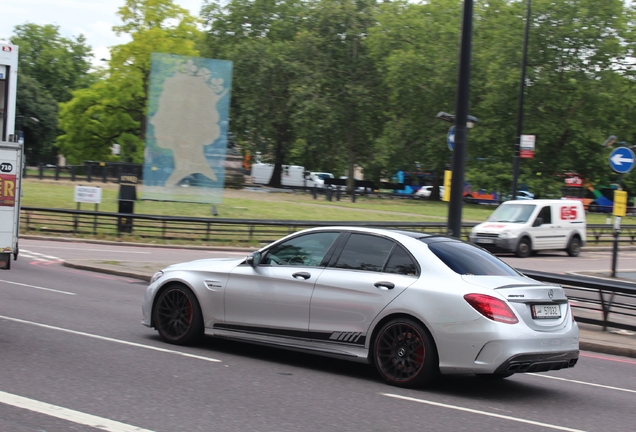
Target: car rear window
(466, 259)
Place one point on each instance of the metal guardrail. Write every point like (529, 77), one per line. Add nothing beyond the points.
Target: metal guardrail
(603, 302)
(224, 231)
(185, 229)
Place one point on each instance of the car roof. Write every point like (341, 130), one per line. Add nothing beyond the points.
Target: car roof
(425, 237)
(541, 202)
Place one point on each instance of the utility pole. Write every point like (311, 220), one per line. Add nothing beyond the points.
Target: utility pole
(454, 224)
(517, 149)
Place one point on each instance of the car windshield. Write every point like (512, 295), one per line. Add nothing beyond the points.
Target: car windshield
(513, 213)
(466, 259)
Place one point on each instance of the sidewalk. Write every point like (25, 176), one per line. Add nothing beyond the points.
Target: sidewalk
(593, 338)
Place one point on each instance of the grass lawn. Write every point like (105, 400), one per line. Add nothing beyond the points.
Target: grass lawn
(255, 203)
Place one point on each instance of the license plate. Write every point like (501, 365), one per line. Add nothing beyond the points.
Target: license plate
(485, 240)
(546, 311)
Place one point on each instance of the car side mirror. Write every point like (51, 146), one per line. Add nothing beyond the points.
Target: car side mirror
(254, 259)
(538, 222)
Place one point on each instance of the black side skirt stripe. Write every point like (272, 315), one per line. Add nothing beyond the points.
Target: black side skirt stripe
(346, 338)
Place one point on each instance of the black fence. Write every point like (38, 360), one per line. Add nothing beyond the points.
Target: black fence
(90, 171)
(230, 231)
(604, 302)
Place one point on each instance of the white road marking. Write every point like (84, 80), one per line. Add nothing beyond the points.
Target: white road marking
(37, 287)
(31, 254)
(33, 257)
(104, 338)
(584, 383)
(67, 414)
(92, 250)
(484, 413)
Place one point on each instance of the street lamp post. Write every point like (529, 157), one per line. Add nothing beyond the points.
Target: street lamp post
(454, 224)
(517, 148)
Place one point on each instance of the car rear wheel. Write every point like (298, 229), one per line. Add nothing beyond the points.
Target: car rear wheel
(524, 248)
(574, 247)
(404, 354)
(177, 316)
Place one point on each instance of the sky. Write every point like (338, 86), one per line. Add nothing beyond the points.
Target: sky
(92, 18)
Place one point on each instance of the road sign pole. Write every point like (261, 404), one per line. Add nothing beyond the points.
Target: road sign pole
(615, 252)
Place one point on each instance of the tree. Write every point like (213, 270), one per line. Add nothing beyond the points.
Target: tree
(258, 36)
(114, 109)
(50, 68)
(34, 101)
(416, 48)
(58, 64)
(339, 95)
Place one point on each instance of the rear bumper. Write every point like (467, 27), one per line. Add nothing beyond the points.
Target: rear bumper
(541, 362)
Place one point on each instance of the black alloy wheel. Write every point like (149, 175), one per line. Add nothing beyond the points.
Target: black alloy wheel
(404, 354)
(177, 316)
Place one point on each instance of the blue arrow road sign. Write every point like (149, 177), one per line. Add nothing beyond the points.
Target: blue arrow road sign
(451, 138)
(622, 160)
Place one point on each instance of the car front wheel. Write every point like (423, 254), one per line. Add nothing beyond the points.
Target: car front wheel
(524, 248)
(177, 316)
(404, 354)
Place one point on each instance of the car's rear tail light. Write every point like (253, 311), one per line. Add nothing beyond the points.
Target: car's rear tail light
(492, 308)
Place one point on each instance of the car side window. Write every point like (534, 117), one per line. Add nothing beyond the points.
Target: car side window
(365, 252)
(305, 250)
(400, 262)
(546, 215)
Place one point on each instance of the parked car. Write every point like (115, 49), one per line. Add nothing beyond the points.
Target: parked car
(359, 189)
(318, 178)
(412, 304)
(425, 192)
(521, 195)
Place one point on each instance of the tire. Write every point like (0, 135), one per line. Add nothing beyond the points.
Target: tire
(593, 208)
(468, 199)
(177, 316)
(524, 248)
(574, 246)
(404, 354)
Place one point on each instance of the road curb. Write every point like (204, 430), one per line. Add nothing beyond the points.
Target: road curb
(607, 349)
(112, 271)
(123, 243)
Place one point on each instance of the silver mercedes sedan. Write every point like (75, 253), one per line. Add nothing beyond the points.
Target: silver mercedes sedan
(414, 305)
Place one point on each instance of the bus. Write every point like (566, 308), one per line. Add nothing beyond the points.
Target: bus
(598, 198)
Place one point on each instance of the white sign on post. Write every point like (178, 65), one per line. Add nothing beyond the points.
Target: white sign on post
(527, 146)
(88, 194)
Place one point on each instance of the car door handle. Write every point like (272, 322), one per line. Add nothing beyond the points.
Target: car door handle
(301, 275)
(384, 285)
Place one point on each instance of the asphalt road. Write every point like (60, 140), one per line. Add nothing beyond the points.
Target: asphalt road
(74, 356)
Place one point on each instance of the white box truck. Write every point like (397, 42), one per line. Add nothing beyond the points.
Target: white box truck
(11, 157)
(527, 226)
(292, 176)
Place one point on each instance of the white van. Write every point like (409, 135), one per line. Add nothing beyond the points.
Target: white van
(292, 176)
(525, 226)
